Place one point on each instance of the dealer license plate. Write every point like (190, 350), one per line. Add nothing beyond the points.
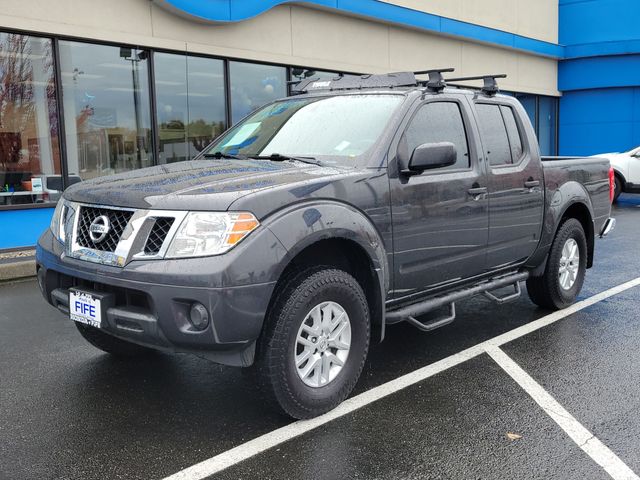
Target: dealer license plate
(85, 308)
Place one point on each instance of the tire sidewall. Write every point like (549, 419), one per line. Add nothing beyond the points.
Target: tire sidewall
(570, 229)
(617, 188)
(309, 292)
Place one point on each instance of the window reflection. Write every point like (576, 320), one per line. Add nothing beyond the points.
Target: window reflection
(29, 152)
(304, 73)
(106, 108)
(190, 104)
(253, 85)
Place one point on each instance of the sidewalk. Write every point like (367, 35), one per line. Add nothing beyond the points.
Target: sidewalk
(17, 264)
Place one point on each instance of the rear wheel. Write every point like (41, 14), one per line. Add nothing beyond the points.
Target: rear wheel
(617, 188)
(566, 266)
(315, 343)
(110, 344)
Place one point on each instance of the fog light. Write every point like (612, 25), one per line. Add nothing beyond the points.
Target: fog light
(198, 316)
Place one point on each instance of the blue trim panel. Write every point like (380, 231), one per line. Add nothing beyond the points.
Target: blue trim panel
(224, 11)
(22, 228)
(599, 72)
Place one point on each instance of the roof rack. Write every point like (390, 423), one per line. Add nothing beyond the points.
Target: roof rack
(490, 86)
(351, 82)
(436, 81)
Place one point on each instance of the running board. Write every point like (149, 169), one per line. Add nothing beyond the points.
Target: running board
(507, 298)
(409, 312)
(437, 323)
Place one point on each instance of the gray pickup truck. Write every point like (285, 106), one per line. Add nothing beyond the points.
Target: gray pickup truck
(303, 231)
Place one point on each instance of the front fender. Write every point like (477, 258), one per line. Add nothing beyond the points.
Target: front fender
(303, 224)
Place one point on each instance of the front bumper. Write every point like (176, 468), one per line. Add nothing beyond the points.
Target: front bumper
(153, 299)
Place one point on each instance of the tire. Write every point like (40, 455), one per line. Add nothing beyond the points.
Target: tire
(547, 291)
(111, 344)
(329, 293)
(617, 188)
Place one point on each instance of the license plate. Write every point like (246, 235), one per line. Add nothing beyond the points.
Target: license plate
(85, 308)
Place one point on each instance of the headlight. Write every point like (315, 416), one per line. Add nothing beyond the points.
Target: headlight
(57, 221)
(207, 233)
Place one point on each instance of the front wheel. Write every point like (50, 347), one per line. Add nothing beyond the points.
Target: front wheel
(564, 274)
(315, 343)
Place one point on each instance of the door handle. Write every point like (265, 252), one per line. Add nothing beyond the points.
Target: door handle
(477, 191)
(532, 183)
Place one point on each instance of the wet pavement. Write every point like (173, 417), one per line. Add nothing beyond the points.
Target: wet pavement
(69, 411)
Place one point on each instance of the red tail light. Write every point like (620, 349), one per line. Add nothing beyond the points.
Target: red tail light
(612, 184)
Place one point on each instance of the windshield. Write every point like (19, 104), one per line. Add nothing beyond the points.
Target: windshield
(339, 128)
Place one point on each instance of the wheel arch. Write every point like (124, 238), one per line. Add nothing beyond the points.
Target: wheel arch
(620, 175)
(346, 239)
(582, 213)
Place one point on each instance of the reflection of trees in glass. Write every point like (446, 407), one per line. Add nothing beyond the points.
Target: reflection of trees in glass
(16, 95)
(26, 64)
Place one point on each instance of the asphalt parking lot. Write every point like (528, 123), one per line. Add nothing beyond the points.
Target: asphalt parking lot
(68, 411)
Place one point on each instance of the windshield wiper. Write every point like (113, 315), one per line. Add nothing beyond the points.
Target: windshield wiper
(277, 157)
(223, 155)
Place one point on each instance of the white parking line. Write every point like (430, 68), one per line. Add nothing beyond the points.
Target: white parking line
(276, 437)
(588, 442)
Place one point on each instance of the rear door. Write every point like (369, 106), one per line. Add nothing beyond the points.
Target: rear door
(440, 219)
(515, 182)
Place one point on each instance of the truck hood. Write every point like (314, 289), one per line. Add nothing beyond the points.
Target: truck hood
(195, 185)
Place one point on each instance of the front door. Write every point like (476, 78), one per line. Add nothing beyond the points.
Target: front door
(440, 218)
(515, 183)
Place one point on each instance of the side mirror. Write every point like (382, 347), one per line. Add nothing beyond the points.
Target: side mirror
(432, 155)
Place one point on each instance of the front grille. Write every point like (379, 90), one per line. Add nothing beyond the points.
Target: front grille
(118, 220)
(158, 235)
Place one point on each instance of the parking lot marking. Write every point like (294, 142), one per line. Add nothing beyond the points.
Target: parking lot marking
(588, 442)
(281, 435)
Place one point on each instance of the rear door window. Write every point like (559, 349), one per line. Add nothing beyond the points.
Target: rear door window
(494, 134)
(515, 139)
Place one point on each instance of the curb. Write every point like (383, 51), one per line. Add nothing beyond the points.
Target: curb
(17, 270)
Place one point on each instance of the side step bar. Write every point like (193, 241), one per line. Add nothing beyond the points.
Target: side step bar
(409, 312)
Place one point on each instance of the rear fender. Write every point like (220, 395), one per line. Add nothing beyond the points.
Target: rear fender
(570, 195)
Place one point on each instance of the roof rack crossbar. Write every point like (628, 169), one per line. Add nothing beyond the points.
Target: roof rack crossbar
(490, 86)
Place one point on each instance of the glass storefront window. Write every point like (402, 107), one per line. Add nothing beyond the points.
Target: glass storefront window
(547, 112)
(190, 104)
(106, 108)
(253, 85)
(29, 149)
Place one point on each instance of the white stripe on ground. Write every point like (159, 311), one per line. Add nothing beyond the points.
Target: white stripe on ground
(281, 435)
(588, 442)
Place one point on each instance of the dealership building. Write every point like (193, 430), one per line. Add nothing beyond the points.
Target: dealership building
(93, 87)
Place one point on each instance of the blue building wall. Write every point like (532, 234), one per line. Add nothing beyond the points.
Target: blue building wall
(599, 76)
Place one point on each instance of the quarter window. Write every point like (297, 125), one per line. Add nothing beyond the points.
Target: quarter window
(515, 139)
(439, 122)
(494, 134)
